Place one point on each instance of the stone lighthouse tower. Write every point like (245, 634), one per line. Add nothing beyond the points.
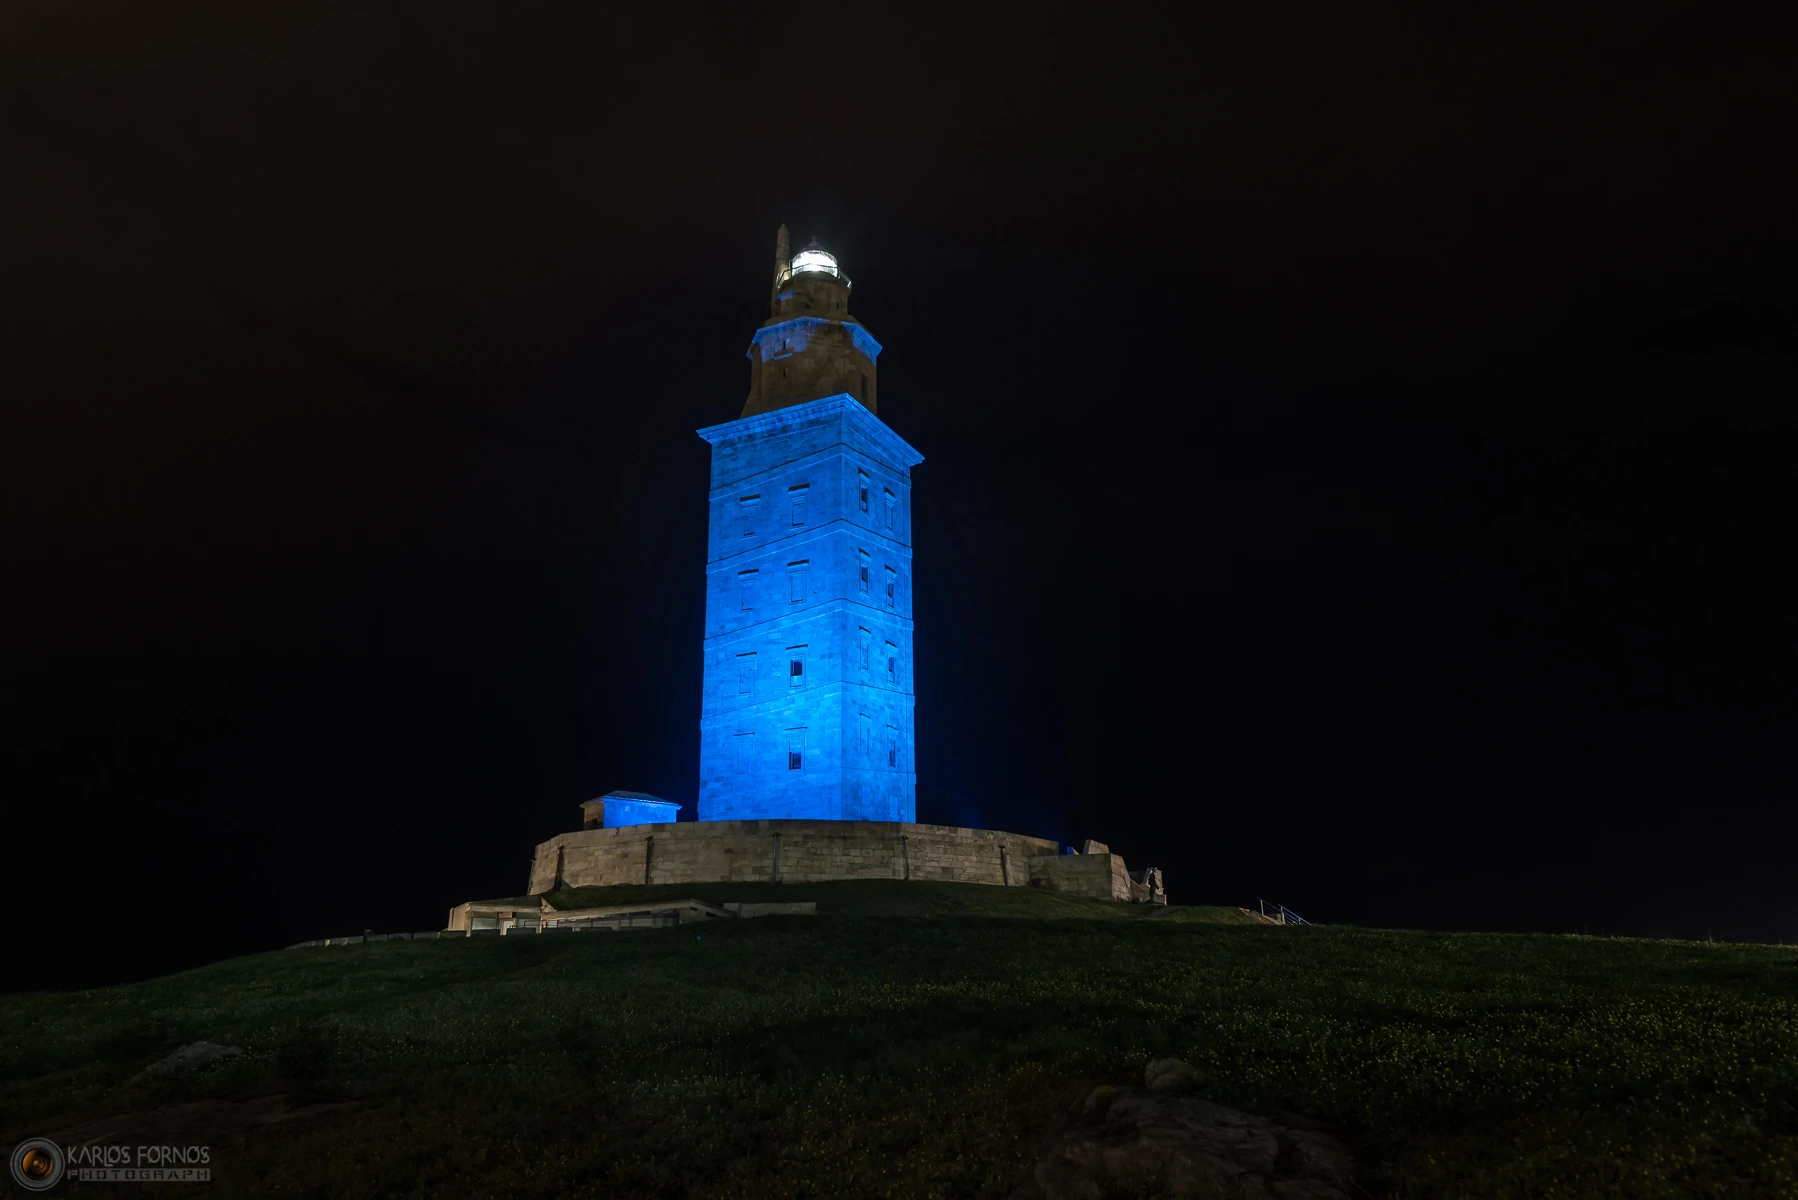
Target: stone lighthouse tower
(807, 711)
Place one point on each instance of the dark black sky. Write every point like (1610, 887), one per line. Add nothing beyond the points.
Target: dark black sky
(1360, 443)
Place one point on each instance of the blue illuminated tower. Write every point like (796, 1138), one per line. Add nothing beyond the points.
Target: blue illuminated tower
(808, 623)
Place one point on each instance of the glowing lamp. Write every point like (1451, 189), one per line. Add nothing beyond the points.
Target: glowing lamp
(821, 261)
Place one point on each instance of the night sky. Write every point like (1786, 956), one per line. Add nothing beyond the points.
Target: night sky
(1361, 449)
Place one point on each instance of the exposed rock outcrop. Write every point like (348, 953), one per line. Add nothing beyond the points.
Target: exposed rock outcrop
(1160, 1140)
(188, 1058)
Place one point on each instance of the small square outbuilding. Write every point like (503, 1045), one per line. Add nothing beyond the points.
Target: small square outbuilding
(616, 809)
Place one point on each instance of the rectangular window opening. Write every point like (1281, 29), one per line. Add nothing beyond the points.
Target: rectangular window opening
(892, 588)
(861, 483)
(796, 580)
(746, 672)
(795, 749)
(746, 589)
(892, 664)
(796, 666)
(748, 505)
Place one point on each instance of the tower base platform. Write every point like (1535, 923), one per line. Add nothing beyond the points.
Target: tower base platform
(785, 851)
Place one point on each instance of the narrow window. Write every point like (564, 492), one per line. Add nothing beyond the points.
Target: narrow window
(862, 555)
(746, 672)
(796, 580)
(892, 588)
(892, 746)
(796, 666)
(745, 748)
(748, 505)
(746, 588)
(892, 664)
(867, 645)
(795, 749)
(861, 485)
(867, 736)
(796, 494)
(892, 507)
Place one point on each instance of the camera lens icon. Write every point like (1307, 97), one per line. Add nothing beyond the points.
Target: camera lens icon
(38, 1164)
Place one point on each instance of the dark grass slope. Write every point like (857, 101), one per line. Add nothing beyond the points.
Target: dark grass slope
(853, 1055)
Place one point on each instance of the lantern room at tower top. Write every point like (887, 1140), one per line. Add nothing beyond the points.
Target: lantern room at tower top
(808, 703)
(810, 346)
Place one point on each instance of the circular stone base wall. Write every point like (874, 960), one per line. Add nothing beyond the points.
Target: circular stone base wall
(814, 852)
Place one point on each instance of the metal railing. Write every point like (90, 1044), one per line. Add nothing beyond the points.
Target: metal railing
(661, 919)
(644, 919)
(787, 273)
(1280, 914)
(358, 939)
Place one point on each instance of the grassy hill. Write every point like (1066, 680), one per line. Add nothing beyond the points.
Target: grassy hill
(915, 1041)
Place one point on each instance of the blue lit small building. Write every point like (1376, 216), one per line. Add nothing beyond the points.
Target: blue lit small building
(617, 809)
(807, 709)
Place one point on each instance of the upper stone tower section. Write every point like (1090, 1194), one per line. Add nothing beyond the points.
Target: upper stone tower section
(809, 347)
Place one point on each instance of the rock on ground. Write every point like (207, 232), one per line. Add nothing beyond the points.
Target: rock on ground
(194, 1054)
(1136, 1141)
(193, 1124)
(1172, 1075)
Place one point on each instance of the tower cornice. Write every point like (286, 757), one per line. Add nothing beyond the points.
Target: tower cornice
(813, 533)
(779, 419)
(864, 341)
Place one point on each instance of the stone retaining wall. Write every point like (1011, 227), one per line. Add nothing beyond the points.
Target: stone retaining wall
(1099, 875)
(817, 851)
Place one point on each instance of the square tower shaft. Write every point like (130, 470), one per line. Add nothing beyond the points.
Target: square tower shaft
(808, 702)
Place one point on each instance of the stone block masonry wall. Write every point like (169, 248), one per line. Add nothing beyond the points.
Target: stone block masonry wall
(1101, 876)
(806, 709)
(809, 852)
